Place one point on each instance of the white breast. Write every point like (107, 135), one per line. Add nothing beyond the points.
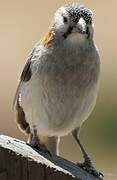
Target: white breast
(60, 96)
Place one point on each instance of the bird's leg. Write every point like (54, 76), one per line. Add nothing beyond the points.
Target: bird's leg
(33, 139)
(87, 159)
(52, 143)
(87, 164)
(34, 142)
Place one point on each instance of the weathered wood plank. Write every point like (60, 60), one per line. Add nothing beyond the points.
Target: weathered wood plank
(3, 175)
(18, 161)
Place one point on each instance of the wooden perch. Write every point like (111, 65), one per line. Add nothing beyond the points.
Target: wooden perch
(18, 161)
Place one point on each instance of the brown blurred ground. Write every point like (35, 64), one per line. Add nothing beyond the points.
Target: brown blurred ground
(22, 24)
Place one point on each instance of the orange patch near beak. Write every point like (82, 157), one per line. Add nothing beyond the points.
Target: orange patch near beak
(47, 41)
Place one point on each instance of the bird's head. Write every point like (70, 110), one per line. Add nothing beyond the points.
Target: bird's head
(71, 22)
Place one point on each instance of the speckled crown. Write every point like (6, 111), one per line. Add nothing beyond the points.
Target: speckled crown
(77, 11)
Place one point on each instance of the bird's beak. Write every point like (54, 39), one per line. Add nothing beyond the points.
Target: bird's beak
(81, 25)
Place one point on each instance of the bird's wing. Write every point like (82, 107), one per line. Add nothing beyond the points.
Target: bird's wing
(26, 73)
(25, 76)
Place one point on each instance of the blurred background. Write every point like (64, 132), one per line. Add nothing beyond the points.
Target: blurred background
(22, 24)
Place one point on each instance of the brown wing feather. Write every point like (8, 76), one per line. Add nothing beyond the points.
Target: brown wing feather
(25, 76)
(21, 119)
(20, 114)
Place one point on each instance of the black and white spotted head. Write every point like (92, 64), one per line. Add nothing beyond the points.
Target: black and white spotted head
(73, 19)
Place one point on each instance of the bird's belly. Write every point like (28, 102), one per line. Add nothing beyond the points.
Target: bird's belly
(59, 105)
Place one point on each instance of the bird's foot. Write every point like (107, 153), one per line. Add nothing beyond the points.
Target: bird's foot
(43, 148)
(39, 147)
(88, 166)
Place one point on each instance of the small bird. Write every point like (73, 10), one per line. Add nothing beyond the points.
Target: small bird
(59, 83)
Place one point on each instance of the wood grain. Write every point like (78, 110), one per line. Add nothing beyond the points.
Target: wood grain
(19, 161)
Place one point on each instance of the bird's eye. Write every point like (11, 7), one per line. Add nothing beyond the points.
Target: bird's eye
(65, 19)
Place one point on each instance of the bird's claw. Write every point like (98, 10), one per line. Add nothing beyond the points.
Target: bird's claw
(44, 149)
(91, 170)
(39, 147)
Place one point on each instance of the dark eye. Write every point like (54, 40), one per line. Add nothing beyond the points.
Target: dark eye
(65, 19)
